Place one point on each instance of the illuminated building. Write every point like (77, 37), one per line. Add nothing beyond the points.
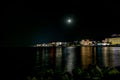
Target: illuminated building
(114, 40)
(86, 42)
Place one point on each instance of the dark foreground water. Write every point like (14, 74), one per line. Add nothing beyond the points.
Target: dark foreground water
(18, 62)
(67, 58)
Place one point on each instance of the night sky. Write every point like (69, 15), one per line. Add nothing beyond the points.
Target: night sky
(29, 22)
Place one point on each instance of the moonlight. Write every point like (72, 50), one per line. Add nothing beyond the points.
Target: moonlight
(69, 21)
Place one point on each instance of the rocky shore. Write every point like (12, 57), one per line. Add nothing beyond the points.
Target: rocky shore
(93, 72)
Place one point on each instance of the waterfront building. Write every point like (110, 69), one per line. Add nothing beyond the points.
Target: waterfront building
(113, 40)
(86, 42)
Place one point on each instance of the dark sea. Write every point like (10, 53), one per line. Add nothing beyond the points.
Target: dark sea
(19, 62)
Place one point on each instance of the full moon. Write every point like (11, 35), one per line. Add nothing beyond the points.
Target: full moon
(69, 21)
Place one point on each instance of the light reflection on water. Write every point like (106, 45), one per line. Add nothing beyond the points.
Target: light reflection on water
(105, 56)
(70, 59)
(67, 58)
(115, 56)
(58, 58)
(86, 56)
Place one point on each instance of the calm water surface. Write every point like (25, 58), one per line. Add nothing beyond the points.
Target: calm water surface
(67, 58)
